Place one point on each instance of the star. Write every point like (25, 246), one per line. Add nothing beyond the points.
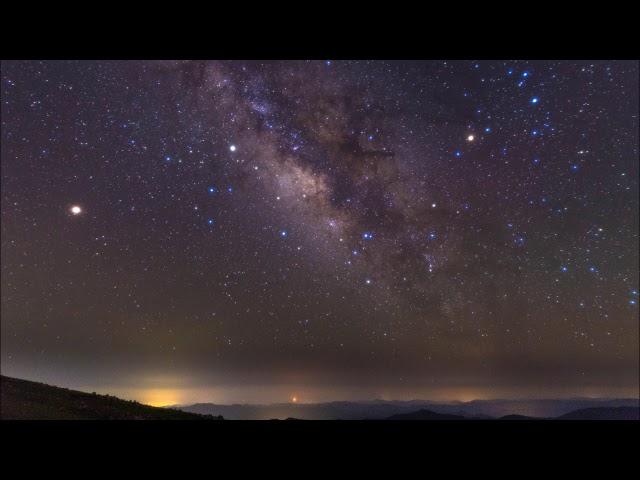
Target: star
(76, 210)
(232, 148)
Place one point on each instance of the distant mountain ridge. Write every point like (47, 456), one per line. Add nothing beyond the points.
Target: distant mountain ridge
(425, 415)
(594, 413)
(382, 409)
(26, 400)
(603, 413)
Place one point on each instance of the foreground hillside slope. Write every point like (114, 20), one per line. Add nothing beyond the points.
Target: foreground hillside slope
(25, 400)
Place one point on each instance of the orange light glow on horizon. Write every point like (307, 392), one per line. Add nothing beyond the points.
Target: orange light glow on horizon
(160, 397)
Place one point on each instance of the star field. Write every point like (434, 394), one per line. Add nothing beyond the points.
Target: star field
(337, 228)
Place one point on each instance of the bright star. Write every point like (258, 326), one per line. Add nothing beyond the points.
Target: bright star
(470, 138)
(76, 210)
(232, 148)
(534, 100)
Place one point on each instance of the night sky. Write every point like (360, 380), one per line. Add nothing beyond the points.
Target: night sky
(255, 231)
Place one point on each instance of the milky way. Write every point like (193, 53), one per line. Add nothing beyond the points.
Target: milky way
(337, 228)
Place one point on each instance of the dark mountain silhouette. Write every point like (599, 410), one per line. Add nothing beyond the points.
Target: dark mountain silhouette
(26, 400)
(22, 399)
(603, 413)
(425, 415)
